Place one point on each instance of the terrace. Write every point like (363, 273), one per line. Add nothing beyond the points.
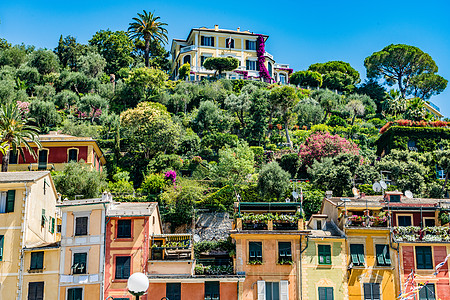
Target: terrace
(366, 219)
(268, 217)
(171, 247)
(417, 234)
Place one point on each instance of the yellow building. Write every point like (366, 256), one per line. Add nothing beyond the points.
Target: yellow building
(370, 259)
(82, 248)
(29, 255)
(202, 43)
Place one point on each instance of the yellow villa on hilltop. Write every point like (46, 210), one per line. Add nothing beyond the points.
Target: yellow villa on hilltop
(247, 47)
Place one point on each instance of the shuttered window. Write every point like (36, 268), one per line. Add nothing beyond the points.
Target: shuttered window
(36, 291)
(255, 251)
(284, 251)
(404, 220)
(75, 294)
(427, 292)
(1, 246)
(123, 267)
(371, 291)
(383, 256)
(424, 257)
(272, 291)
(212, 290)
(173, 291)
(357, 254)
(81, 224)
(324, 254)
(7, 200)
(326, 293)
(123, 229)
(79, 263)
(207, 41)
(52, 226)
(250, 45)
(37, 260)
(284, 290)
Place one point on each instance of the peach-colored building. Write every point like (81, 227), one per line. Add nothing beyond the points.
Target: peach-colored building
(269, 241)
(128, 230)
(82, 248)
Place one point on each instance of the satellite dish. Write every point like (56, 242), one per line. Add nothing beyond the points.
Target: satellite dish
(196, 238)
(295, 195)
(409, 194)
(287, 200)
(376, 187)
(355, 192)
(383, 184)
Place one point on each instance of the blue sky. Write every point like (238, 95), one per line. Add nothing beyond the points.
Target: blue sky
(300, 32)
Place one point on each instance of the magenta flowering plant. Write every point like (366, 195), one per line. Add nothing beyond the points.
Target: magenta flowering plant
(260, 50)
(171, 175)
(245, 73)
(322, 144)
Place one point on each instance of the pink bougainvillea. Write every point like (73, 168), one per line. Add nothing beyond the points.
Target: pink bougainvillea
(260, 51)
(171, 175)
(24, 107)
(323, 144)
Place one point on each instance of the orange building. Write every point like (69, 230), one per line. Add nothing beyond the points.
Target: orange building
(269, 240)
(127, 243)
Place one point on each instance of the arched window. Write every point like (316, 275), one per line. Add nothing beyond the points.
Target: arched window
(269, 67)
(187, 59)
(282, 78)
(72, 155)
(229, 43)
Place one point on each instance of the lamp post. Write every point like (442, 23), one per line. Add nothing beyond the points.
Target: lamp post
(137, 284)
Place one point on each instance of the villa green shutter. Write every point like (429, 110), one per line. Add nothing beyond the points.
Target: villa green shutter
(53, 226)
(357, 254)
(10, 201)
(75, 294)
(37, 260)
(424, 257)
(43, 217)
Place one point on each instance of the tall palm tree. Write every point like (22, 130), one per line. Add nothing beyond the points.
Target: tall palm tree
(149, 28)
(16, 133)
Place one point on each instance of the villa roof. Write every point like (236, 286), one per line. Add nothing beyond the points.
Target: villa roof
(330, 231)
(131, 209)
(77, 202)
(25, 176)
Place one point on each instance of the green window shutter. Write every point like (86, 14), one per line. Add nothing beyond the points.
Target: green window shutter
(357, 254)
(324, 254)
(10, 201)
(380, 255)
(53, 226)
(173, 291)
(1, 247)
(424, 257)
(43, 218)
(355, 259)
(37, 260)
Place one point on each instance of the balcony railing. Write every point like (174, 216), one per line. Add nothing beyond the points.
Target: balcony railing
(366, 221)
(269, 221)
(418, 234)
(188, 48)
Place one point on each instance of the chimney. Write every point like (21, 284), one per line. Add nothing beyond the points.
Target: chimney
(216, 27)
(328, 194)
(238, 29)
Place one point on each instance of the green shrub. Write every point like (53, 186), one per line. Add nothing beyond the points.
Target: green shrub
(336, 121)
(153, 183)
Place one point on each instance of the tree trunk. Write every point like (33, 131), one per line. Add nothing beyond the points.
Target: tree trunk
(147, 52)
(400, 85)
(326, 116)
(288, 138)
(353, 119)
(5, 162)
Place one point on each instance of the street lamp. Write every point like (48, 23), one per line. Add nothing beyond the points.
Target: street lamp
(137, 284)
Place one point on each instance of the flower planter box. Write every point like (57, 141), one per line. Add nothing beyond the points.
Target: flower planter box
(254, 226)
(283, 225)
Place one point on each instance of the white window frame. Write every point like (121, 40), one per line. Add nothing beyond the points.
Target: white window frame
(75, 250)
(80, 214)
(74, 287)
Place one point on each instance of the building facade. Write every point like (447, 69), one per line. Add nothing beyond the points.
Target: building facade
(423, 243)
(56, 151)
(82, 248)
(127, 243)
(29, 252)
(371, 260)
(247, 47)
(269, 241)
(324, 261)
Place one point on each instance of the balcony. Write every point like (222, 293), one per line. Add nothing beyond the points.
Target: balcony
(269, 221)
(171, 247)
(416, 234)
(267, 54)
(281, 66)
(364, 219)
(188, 48)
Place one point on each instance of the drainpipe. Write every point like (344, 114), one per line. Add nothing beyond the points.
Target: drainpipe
(19, 295)
(300, 271)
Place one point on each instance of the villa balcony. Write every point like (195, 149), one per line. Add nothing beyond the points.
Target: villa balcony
(416, 234)
(366, 221)
(267, 54)
(188, 48)
(281, 66)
